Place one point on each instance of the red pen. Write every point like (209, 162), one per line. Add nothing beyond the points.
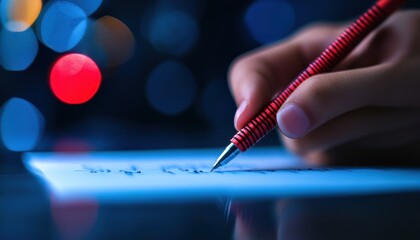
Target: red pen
(266, 121)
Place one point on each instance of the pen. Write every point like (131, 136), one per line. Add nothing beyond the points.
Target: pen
(266, 121)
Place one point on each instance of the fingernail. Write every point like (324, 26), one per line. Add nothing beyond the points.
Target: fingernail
(293, 121)
(239, 111)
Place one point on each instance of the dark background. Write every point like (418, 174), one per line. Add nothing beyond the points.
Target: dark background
(120, 116)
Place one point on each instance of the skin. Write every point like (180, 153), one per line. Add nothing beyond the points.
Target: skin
(367, 108)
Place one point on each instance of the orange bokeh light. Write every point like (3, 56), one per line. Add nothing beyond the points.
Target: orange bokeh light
(19, 15)
(115, 38)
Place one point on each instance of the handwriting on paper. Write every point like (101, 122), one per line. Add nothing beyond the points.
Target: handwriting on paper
(132, 170)
(175, 169)
(186, 175)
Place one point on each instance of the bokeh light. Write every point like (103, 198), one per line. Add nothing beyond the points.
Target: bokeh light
(269, 20)
(171, 32)
(88, 6)
(171, 88)
(72, 144)
(19, 15)
(17, 49)
(21, 125)
(108, 41)
(75, 78)
(74, 219)
(216, 93)
(62, 25)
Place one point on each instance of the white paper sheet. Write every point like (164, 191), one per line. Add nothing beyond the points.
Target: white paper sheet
(184, 174)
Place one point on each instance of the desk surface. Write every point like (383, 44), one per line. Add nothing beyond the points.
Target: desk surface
(25, 204)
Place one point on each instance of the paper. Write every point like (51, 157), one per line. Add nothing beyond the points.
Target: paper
(184, 174)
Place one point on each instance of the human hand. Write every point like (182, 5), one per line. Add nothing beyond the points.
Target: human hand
(367, 108)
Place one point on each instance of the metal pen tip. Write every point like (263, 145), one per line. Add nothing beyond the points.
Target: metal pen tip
(230, 152)
(215, 166)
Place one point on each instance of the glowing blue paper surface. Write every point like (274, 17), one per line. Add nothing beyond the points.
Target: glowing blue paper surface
(184, 174)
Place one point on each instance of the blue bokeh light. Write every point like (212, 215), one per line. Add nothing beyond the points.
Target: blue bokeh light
(88, 6)
(269, 20)
(17, 49)
(172, 32)
(216, 94)
(21, 125)
(171, 88)
(62, 25)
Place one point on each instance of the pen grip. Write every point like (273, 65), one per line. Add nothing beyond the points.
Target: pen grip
(266, 121)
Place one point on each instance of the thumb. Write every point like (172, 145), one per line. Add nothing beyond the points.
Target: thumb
(324, 97)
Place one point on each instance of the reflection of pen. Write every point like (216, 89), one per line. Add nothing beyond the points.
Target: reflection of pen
(264, 122)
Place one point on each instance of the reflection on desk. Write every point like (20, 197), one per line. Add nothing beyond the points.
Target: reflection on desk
(24, 205)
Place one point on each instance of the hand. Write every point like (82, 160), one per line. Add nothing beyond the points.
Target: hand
(368, 108)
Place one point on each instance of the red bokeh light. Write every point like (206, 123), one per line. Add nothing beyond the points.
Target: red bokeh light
(75, 78)
(74, 219)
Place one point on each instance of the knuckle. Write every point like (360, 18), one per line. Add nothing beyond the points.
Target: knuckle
(249, 67)
(236, 70)
(237, 62)
(239, 65)
(233, 78)
(320, 89)
(402, 31)
(317, 28)
(412, 15)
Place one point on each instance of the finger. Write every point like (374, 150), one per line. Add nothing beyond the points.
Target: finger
(373, 50)
(355, 154)
(395, 39)
(256, 77)
(355, 125)
(392, 138)
(396, 147)
(324, 97)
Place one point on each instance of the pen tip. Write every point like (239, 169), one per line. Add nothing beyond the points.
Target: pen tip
(228, 154)
(216, 165)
